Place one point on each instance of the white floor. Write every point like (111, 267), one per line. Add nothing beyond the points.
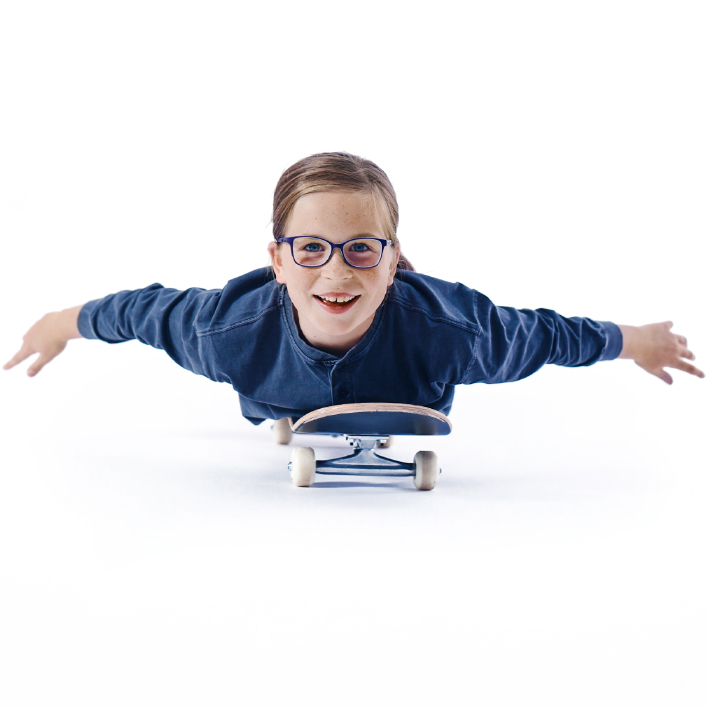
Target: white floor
(154, 551)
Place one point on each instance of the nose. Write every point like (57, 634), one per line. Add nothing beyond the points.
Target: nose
(337, 268)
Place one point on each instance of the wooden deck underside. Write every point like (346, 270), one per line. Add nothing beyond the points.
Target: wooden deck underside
(374, 419)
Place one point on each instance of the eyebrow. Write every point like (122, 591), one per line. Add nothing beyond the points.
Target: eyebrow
(365, 234)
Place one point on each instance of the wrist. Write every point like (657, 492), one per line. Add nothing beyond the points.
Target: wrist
(629, 341)
(66, 322)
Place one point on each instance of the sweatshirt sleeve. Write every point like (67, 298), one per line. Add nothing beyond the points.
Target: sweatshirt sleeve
(513, 344)
(164, 318)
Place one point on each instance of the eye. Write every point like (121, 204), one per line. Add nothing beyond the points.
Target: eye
(311, 247)
(359, 247)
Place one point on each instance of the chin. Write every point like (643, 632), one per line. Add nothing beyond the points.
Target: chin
(338, 328)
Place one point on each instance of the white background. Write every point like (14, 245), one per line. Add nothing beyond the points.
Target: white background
(152, 548)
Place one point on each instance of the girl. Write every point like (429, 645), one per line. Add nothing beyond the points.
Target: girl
(343, 317)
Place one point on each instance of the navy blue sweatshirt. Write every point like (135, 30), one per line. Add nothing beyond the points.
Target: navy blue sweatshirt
(427, 337)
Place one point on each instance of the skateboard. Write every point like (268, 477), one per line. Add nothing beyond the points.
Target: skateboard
(365, 426)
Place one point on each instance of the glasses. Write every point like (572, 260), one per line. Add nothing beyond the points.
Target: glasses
(313, 251)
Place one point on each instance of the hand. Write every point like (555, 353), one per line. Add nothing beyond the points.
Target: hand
(654, 346)
(46, 337)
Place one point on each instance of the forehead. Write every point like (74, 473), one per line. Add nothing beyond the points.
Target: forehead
(339, 214)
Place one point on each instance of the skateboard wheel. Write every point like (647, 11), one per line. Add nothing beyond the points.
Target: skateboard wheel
(387, 443)
(427, 470)
(281, 432)
(302, 466)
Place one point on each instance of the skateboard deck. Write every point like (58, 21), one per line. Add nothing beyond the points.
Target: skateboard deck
(373, 419)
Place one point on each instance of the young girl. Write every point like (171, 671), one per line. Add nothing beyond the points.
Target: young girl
(342, 316)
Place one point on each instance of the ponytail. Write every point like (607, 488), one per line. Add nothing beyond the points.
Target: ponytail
(404, 263)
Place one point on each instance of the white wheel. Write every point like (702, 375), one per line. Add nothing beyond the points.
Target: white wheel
(281, 432)
(302, 466)
(387, 443)
(426, 470)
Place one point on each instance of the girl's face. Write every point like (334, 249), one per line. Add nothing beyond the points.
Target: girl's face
(336, 216)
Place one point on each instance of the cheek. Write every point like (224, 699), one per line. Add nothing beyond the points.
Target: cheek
(298, 285)
(377, 289)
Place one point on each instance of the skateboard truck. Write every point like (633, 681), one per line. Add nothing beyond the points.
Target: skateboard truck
(364, 461)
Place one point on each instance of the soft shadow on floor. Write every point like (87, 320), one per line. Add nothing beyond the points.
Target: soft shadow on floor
(343, 484)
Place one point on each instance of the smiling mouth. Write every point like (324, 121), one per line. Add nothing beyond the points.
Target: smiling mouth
(337, 304)
(337, 300)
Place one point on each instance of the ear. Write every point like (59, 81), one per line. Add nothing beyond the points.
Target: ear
(277, 262)
(394, 265)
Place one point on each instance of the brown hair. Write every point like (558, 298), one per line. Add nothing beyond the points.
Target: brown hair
(338, 171)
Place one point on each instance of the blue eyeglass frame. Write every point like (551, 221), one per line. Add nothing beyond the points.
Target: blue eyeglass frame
(383, 241)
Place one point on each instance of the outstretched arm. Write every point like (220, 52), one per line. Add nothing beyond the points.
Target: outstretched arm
(164, 318)
(516, 343)
(654, 346)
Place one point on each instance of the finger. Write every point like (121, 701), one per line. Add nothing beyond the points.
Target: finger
(688, 368)
(688, 355)
(668, 324)
(20, 356)
(683, 341)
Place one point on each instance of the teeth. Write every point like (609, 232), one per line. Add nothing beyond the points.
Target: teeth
(336, 299)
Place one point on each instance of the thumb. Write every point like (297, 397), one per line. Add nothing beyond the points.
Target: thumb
(664, 376)
(38, 364)
(659, 373)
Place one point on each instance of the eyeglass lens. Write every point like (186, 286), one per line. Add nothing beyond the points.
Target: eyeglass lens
(311, 251)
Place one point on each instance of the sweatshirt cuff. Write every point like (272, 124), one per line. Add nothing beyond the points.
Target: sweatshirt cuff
(614, 344)
(84, 321)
